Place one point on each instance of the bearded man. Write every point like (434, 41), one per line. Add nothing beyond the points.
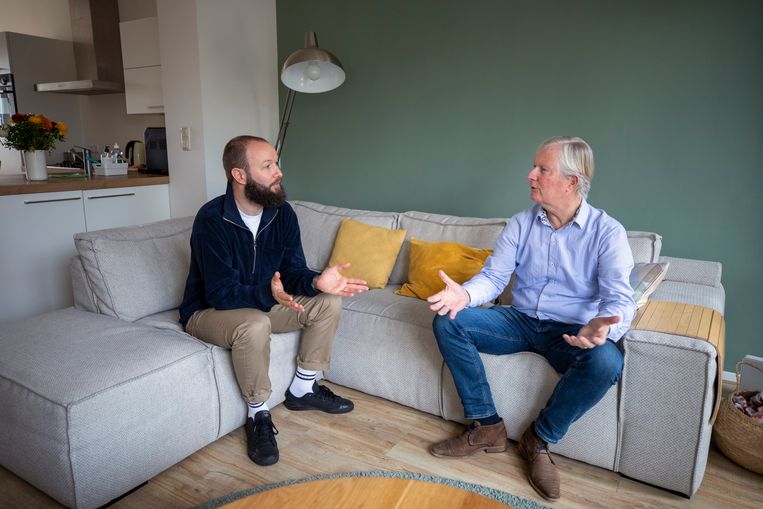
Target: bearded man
(248, 277)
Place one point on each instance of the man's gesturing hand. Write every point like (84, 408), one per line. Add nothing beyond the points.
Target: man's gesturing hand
(332, 281)
(594, 333)
(451, 300)
(280, 295)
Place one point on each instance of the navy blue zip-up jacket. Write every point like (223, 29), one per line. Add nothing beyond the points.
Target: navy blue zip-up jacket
(231, 269)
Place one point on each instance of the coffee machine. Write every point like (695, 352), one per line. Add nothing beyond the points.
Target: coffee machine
(156, 151)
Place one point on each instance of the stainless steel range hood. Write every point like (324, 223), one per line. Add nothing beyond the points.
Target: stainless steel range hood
(97, 50)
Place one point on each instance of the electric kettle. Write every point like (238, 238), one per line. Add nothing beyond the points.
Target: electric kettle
(135, 152)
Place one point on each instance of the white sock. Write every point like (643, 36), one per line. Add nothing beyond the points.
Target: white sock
(253, 408)
(303, 382)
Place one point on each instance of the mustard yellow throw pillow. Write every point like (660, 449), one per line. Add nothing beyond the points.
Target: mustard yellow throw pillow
(372, 251)
(426, 258)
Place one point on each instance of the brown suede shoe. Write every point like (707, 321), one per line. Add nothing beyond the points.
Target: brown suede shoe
(490, 438)
(542, 472)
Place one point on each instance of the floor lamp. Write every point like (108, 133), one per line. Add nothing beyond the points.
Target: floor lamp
(311, 70)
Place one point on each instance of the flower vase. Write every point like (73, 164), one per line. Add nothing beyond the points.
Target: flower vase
(35, 165)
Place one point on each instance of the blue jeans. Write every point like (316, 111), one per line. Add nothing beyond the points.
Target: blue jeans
(587, 374)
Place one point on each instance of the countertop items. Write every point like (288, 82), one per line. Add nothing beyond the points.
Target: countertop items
(17, 184)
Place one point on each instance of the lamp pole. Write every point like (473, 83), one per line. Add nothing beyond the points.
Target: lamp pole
(285, 122)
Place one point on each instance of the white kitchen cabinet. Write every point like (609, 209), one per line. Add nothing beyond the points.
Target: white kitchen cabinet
(143, 90)
(140, 42)
(36, 239)
(124, 206)
(142, 65)
(35, 248)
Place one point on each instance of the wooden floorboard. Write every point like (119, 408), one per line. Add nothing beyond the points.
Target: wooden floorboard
(381, 435)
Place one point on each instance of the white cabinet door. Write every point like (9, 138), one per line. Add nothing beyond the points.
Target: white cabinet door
(126, 206)
(35, 248)
(142, 65)
(140, 42)
(143, 90)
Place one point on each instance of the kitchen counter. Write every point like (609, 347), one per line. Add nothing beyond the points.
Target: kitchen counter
(17, 184)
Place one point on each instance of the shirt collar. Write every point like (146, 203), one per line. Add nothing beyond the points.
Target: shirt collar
(584, 212)
(580, 219)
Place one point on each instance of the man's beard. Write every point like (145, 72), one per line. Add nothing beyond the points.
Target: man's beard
(262, 195)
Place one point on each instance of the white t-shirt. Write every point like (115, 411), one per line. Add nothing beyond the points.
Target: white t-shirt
(251, 222)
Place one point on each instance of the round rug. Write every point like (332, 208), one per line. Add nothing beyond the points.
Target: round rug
(500, 496)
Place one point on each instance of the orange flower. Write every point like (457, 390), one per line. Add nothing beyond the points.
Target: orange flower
(31, 132)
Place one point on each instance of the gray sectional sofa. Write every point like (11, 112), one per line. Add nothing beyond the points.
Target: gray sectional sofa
(98, 398)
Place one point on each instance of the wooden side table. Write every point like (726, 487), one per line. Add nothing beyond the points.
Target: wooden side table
(365, 492)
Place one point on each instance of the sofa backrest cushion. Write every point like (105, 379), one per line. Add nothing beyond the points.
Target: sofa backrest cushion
(645, 246)
(319, 224)
(474, 232)
(137, 271)
(84, 299)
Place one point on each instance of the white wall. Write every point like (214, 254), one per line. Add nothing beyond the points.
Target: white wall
(239, 76)
(130, 10)
(105, 120)
(44, 18)
(220, 78)
(181, 88)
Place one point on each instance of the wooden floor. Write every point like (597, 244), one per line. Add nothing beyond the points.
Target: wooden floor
(380, 435)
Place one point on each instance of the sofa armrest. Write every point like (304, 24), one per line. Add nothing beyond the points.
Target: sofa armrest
(685, 270)
(667, 400)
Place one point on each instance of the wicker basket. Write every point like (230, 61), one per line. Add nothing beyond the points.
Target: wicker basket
(737, 435)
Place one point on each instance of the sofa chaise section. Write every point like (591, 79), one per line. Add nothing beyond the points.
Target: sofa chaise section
(86, 420)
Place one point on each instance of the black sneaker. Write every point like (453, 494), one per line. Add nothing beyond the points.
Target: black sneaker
(261, 439)
(320, 399)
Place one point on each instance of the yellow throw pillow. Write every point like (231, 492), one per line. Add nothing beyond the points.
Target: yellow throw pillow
(426, 258)
(372, 251)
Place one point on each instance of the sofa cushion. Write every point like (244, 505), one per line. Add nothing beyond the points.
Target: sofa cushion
(371, 251)
(476, 232)
(385, 347)
(699, 272)
(92, 406)
(645, 246)
(459, 262)
(137, 271)
(645, 278)
(689, 293)
(318, 225)
(169, 320)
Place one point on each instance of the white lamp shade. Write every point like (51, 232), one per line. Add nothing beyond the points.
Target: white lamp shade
(312, 70)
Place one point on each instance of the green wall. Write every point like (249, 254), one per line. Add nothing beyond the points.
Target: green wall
(446, 101)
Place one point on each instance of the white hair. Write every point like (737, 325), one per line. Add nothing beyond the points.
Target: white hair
(575, 158)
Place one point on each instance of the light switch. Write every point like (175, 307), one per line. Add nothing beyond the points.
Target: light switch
(185, 138)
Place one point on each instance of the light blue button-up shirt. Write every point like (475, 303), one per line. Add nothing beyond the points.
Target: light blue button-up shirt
(569, 275)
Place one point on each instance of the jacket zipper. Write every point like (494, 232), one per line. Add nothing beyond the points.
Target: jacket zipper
(254, 245)
(254, 258)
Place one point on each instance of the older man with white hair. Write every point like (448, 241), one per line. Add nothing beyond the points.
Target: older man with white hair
(571, 303)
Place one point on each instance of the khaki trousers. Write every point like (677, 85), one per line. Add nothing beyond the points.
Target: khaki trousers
(246, 333)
